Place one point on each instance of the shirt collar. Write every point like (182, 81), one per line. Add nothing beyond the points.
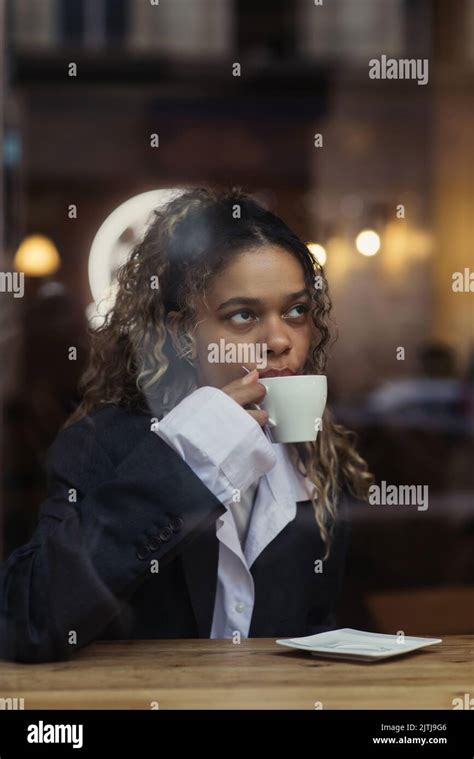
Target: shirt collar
(279, 492)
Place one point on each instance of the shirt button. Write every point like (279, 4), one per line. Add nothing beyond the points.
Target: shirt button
(239, 606)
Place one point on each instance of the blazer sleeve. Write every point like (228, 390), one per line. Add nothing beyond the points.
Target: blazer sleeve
(98, 530)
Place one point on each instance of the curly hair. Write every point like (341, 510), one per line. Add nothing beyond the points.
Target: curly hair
(133, 361)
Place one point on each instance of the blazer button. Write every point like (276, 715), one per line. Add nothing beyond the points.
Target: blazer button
(165, 534)
(154, 543)
(176, 523)
(143, 552)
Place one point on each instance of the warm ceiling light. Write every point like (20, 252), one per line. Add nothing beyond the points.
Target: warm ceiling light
(115, 239)
(368, 242)
(37, 256)
(318, 252)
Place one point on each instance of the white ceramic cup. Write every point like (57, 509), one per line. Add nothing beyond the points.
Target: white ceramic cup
(295, 406)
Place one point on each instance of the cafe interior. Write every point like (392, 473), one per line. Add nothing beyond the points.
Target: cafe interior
(376, 176)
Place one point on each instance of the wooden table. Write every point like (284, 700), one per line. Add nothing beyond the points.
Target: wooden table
(255, 674)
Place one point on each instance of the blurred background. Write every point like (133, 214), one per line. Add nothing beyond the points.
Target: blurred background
(109, 104)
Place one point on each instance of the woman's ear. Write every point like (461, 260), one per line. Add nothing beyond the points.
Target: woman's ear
(181, 341)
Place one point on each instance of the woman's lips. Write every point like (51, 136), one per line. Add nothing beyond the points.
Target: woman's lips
(276, 373)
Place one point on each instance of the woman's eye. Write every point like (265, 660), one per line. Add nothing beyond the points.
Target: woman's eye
(245, 317)
(303, 309)
(234, 318)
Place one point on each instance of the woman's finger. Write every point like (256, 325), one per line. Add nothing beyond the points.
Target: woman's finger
(260, 416)
(244, 392)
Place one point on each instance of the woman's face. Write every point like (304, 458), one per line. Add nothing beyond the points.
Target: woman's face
(261, 303)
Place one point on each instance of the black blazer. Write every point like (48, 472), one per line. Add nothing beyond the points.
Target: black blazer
(120, 497)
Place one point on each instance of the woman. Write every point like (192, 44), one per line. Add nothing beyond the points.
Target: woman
(171, 513)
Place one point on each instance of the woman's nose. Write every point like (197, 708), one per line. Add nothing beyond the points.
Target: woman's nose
(277, 337)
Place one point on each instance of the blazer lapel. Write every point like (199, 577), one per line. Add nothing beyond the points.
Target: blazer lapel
(279, 492)
(276, 505)
(200, 561)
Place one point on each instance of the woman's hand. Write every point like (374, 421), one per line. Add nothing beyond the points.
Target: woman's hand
(246, 391)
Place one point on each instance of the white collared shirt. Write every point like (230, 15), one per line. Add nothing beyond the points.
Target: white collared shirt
(254, 478)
